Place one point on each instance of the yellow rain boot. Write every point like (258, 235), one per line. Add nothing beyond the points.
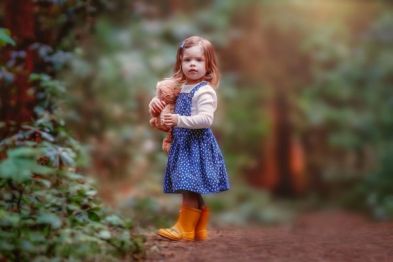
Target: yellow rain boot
(185, 225)
(201, 227)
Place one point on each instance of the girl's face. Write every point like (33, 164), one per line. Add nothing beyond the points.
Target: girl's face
(193, 64)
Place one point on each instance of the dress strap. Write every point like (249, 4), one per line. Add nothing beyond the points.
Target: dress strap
(194, 89)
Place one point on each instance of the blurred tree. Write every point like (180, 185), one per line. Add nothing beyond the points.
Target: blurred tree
(344, 104)
(291, 48)
(17, 105)
(266, 60)
(349, 102)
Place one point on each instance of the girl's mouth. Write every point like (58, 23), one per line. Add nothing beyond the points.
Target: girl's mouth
(193, 71)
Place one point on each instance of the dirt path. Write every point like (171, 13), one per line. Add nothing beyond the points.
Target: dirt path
(317, 236)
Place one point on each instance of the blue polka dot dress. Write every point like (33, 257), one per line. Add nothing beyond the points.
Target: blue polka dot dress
(195, 162)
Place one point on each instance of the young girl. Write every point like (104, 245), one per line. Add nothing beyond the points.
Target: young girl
(195, 163)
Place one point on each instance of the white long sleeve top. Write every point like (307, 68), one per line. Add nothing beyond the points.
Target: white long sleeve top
(203, 106)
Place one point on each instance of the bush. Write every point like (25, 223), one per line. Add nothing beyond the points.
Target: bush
(374, 193)
(54, 212)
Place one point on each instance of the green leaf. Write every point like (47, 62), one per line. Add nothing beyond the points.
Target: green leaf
(74, 176)
(5, 37)
(20, 166)
(50, 219)
(104, 234)
(114, 220)
(5, 246)
(44, 182)
(47, 136)
(35, 77)
(37, 237)
(9, 219)
(93, 216)
(67, 158)
(80, 218)
(26, 246)
(91, 192)
(22, 152)
(72, 207)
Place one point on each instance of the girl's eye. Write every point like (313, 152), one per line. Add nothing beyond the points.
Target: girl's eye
(187, 59)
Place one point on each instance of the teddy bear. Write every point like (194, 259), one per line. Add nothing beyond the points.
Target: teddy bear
(167, 90)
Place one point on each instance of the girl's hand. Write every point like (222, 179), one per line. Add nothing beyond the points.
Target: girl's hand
(156, 106)
(170, 120)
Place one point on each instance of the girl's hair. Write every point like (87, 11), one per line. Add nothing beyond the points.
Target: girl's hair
(212, 71)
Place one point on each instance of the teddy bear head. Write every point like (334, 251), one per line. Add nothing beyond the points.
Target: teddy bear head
(167, 90)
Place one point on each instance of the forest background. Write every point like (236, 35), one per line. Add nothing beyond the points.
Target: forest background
(304, 117)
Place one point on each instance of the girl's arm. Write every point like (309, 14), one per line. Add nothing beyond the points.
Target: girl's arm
(206, 106)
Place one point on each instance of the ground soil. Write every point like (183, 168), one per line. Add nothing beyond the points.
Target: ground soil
(330, 235)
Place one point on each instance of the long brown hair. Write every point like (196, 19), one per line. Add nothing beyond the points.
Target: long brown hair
(212, 70)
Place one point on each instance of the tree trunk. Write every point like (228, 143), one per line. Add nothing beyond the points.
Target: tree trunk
(282, 164)
(17, 101)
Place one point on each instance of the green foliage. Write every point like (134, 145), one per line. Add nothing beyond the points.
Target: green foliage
(253, 122)
(147, 212)
(54, 212)
(49, 210)
(374, 192)
(350, 99)
(20, 165)
(245, 205)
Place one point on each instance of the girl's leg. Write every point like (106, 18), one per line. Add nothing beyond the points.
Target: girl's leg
(191, 199)
(201, 226)
(201, 202)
